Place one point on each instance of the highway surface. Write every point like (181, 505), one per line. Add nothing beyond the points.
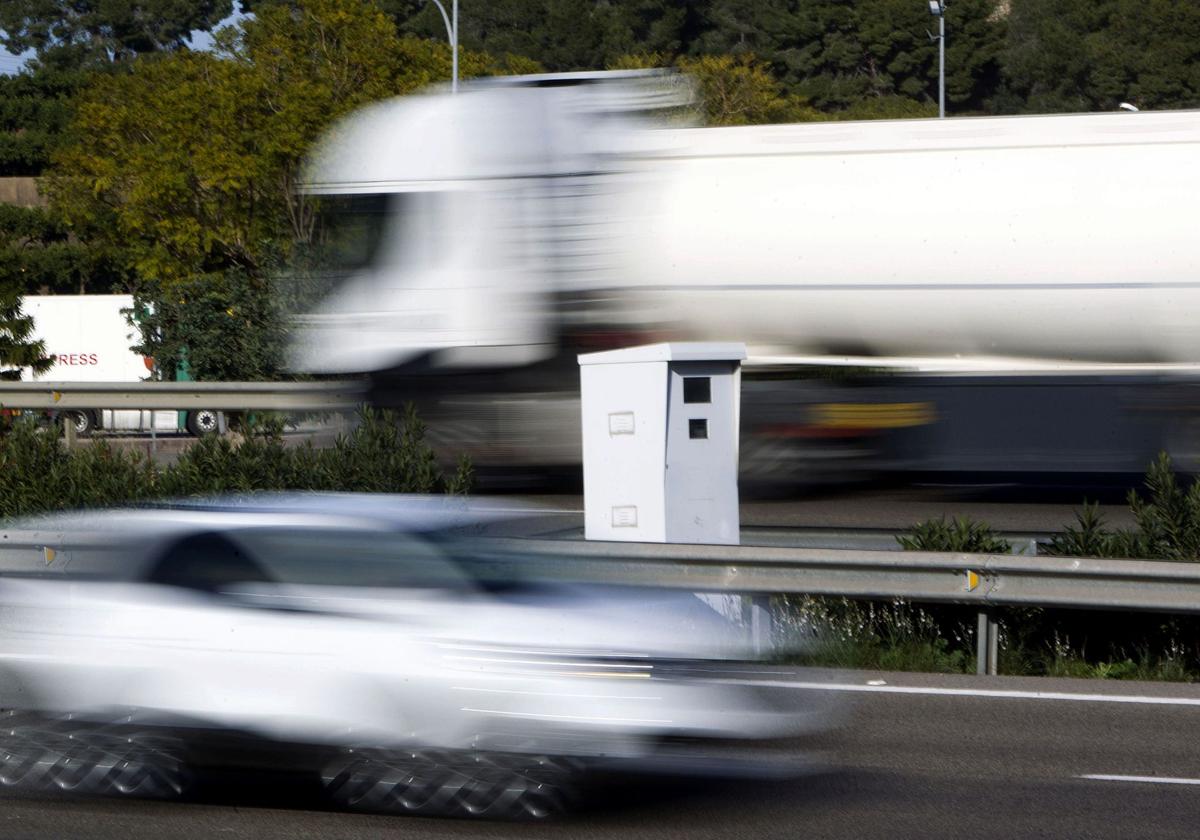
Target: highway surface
(901, 508)
(918, 756)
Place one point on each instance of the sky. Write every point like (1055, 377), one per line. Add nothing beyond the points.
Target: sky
(10, 64)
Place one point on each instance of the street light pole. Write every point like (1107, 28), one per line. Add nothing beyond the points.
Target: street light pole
(941, 61)
(452, 35)
(937, 8)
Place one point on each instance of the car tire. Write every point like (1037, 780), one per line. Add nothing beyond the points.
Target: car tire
(203, 422)
(44, 754)
(451, 783)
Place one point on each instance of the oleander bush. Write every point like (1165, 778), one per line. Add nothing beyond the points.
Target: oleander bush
(960, 534)
(385, 453)
(38, 473)
(1166, 522)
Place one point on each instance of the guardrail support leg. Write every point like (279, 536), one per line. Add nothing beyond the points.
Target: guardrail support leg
(760, 623)
(987, 643)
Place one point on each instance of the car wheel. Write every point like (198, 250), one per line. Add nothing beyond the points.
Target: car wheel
(203, 422)
(451, 784)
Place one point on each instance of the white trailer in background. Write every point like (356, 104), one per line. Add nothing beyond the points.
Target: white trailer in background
(90, 339)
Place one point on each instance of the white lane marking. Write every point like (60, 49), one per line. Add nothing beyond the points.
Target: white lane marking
(1158, 780)
(975, 692)
(532, 510)
(554, 693)
(582, 718)
(556, 664)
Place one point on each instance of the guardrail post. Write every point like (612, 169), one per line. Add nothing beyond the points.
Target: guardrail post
(68, 424)
(760, 623)
(987, 643)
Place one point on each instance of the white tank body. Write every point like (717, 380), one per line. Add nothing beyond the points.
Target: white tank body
(1064, 237)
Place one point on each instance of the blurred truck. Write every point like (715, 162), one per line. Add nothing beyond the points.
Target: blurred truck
(1005, 294)
(90, 338)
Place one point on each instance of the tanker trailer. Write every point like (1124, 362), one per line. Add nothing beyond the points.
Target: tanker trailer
(496, 234)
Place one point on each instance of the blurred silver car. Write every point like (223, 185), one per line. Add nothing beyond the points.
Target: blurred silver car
(377, 641)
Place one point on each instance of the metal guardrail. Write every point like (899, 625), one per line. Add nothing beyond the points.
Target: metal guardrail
(154, 396)
(985, 581)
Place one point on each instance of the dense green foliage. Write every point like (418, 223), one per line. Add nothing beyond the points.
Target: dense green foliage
(385, 453)
(1077, 55)
(38, 253)
(35, 109)
(867, 58)
(834, 53)
(227, 326)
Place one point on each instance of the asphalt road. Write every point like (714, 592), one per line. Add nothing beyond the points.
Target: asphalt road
(918, 756)
(898, 509)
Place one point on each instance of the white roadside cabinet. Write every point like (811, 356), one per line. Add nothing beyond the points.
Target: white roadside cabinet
(660, 442)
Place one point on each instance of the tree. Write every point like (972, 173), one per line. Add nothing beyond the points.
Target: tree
(36, 251)
(37, 255)
(559, 35)
(838, 53)
(731, 90)
(225, 326)
(34, 111)
(159, 163)
(1085, 55)
(740, 90)
(78, 32)
(17, 348)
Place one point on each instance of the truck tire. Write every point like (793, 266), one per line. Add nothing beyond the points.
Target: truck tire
(203, 422)
(83, 421)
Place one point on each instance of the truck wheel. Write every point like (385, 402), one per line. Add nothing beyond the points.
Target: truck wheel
(202, 422)
(83, 422)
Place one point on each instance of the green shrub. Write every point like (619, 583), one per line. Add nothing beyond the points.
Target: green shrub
(960, 535)
(385, 453)
(1167, 523)
(38, 473)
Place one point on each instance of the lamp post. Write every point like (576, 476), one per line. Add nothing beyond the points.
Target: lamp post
(452, 34)
(937, 8)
